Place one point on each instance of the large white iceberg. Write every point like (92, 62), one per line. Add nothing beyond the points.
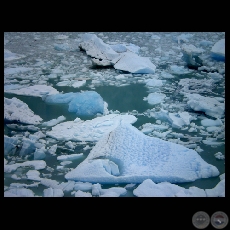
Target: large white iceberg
(126, 155)
(89, 130)
(17, 110)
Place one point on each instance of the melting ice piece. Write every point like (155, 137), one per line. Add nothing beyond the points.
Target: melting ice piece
(209, 105)
(138, 157)
(89, 130)
(218, 50)
(17, 110)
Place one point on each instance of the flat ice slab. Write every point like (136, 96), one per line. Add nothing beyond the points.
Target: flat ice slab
(17, 110)
(126, 155)
(89, 130)
(34, 91)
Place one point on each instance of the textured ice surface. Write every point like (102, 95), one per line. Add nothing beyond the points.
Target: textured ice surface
(165, 189)
(82, 103)
(208, 105)
(34, 91)
(17, 110)
(178, 69)
(126, 155)
(89, 130)
(19, 192)
(218, 50)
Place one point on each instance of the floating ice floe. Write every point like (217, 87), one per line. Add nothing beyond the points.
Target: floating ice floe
(210, 122)
(79, 193)
(53, 192)
(178, 70)
(218, 50)
(73, 83)
(9, 56)
(184, 38)
(89, 130)
(34, 90)
(208, 105)
(82, 103)
(177, 120)
(126, 155)
(53, 122)
(69, 157)
(191, 55)
(110, 192)
(155, 98)
(19, 192)
(165, 189)
(17, 110)
(216, 77)
(37, 164)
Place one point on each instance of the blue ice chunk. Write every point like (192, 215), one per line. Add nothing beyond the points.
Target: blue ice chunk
(87, 103)
(10, 144)
(39, 154)
(28, 147)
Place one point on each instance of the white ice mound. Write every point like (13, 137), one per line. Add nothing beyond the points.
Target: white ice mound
(89, 130)
(126, 155)
(133, 63)
(218, 50)
(17, 110)
(208, 105)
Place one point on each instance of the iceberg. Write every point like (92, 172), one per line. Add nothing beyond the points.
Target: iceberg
(10, 145)
(17, 110)
(126, 155)
(218, 50)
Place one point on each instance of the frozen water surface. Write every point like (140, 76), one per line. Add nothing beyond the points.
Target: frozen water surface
(157, 91)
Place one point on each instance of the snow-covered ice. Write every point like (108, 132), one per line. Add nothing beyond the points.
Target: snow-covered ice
(17, 110)
(126, 155)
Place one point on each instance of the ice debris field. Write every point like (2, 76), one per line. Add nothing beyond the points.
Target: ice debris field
(114, 114)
